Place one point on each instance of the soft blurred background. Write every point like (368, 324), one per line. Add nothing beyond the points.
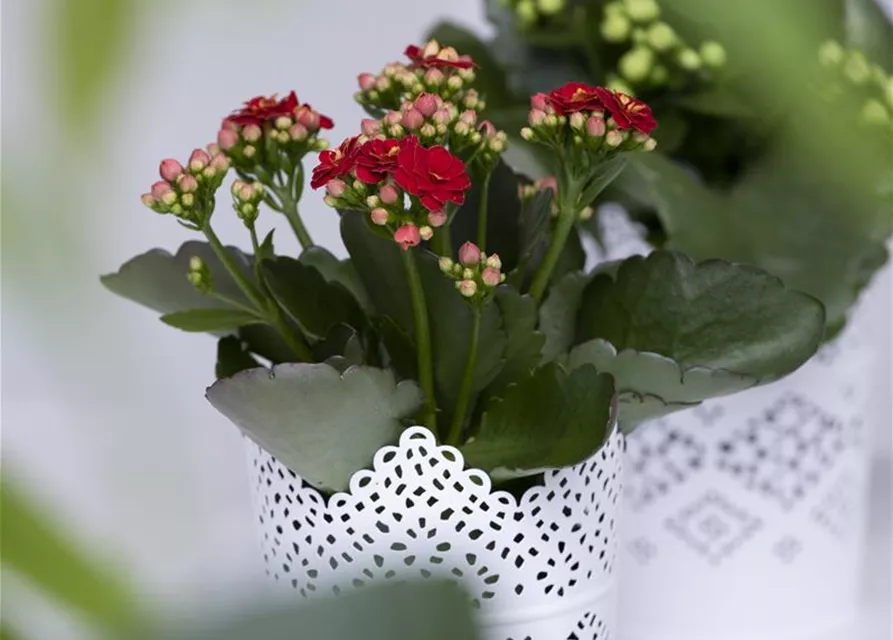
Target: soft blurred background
(104, 423)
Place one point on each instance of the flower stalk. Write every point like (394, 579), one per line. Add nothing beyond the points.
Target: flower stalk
(454, 437)
(425, 361)
(482, 212)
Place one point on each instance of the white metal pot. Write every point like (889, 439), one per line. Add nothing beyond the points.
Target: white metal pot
(538, 568)
(745, 518)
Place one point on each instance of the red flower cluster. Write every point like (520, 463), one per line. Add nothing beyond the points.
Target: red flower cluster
(261, 109)
(435, 176)
(432, 56)
(628, 113)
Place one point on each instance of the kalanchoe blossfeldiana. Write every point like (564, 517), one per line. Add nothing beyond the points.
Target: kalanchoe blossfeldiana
(188, 193)
(475, 273)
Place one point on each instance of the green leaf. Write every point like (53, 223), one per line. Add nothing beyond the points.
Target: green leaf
(315, 304)
(341, 348)
(210, 320)
(157, 279)
(321, 424)
(490, 77)
(503, 217)
(714, 314)
(572, 258)
(266, 249)
(335, 270)
(548, 420)
(265, 341)
(558, 314)
(91, 44)
(524, 343)
(35, 547)
(400, 348)
(232, 357)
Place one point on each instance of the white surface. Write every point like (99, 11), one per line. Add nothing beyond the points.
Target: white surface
(103, 411)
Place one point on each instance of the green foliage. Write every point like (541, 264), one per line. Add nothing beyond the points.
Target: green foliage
(313, 418)
(210, 320)
(232, 357)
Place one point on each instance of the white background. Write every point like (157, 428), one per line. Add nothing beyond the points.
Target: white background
(103, 408)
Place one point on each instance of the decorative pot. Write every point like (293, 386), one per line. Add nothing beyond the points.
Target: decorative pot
(745, 518)
(538, 568)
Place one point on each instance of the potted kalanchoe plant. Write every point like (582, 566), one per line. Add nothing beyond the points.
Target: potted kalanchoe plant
(777, 155)
(446, 400)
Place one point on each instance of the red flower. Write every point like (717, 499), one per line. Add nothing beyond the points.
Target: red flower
(628, 113)
(434, 175)
(445, 58)
(335, 163)
(575, 96)
(376, 159)
(260, 109)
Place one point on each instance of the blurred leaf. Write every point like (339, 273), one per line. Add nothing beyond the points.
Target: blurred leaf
(550, 419)
(92, 39)
(304, 414)
(430, 610)
(400, 348)
(211, 320)
(232, 357)
(523, 342)
(265, 341)
(871, 30)
(36, 547)
(334, 270)
(558, 314)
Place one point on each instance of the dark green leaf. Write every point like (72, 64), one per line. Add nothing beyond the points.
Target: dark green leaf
(341, 348)
(548, 420)
(335, 270)
(713, 314)
(572, 258)
(400, 348)
(558, 314)
(210, 320)
(524, 343)
(490, 77)
(265, 341)
(232, 358)
(503, 217)
(316, 305)
(34, 547)
(266, 249)
(157, 279)
(534, 223)
(306, 414)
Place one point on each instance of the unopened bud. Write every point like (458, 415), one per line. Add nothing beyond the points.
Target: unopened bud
(198, 160)
(169, 198)
(427, 104)
(527, 133)
(689, 59)
(188, 184)
(536, 118)
(437, 218)
(252, 133)
(426, 232)
(586, 213)
(227, 139)
(298, 132)
(577, 120)
(649, 145)
(491, 277)
(170, 169)
(472, 100)
(407, 236)
(434, 77)
(336, 188)
(370, 127)
(642, 10)
(445, 264)
(379, 216)
(614, 138)
(494, 262)
(428, 130)
(412, 119)
(388, 194)
(372, 202)
(430, 48)
(469, 254)
(615, 28)
(366, 81)
(283, 122)
(455, 83)
(595, 127)
(159, 189)
(220, 162)
(713, 54)
(147, 199)
(249, 151)
(467, 288)
(213, 149)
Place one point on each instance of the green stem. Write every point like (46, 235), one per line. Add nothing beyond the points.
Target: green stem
(455, 436)
(231, 302)
(482, 212)
(567, 216)
(440, 243)
(272, 313)
(423, 338)
(290, 209)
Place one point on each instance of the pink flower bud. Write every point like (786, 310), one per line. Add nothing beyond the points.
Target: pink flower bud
(388, 194)
(491, 276)
(170, 169)
(433, 77)
(549, 182)
(220, 162)
(494, 262)
(426, 232)
(309, 118)
(159, 189)
(382, 84)
(427, 104)
(336, 188)
(246, 193)
(298, 132)
(379, 216)
(469, 117)
(188, 184)
(392, 118)
(437, 219)
(249, 151)
(407, 236)
(169, 198)
(469, 254)
(614, 138)
(227, 139)
(536, 118)
(430, 49)
(252, 133)
(198, 160)
(366, 81)
(370, 127)
(650, 144)
(467, 287)
(487, 129)
(445, 264)
(577, 120)
(237, 186)
(147, 199)
(595, 127)
(539, 102)
(412, 119)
